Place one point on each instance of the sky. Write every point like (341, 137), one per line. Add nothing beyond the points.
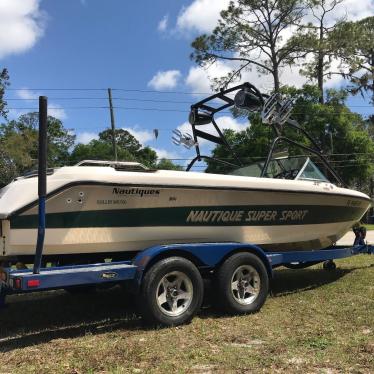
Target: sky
(74, 50)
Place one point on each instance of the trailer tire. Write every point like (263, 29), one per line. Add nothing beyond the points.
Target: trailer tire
(171, 293)
(329, 265)
(242, 284)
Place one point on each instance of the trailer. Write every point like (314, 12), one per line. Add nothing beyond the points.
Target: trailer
(167, 280)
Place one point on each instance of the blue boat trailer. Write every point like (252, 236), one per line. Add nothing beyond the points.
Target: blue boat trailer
(207, 259)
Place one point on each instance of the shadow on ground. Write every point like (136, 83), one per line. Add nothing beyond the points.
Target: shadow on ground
(38, 318)
(287, 281)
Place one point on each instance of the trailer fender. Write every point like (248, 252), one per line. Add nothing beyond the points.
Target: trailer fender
(203, 255)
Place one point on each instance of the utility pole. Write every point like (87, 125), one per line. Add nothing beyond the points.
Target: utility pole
(112, 124)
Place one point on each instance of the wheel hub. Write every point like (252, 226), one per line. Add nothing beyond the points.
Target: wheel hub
(245, 284)
(174, 293)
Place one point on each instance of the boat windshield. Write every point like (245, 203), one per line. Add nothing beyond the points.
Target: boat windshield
(297, 168)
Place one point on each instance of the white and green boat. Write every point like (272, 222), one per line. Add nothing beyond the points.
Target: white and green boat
(103, 209)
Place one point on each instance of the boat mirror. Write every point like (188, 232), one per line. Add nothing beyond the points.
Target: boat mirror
(246, 100)
(196, 118)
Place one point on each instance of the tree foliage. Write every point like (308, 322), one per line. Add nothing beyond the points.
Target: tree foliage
(19, 148)
(19, 145)
(319, 38)
(128, 149)
(165, 164)
(356, 50)
(123, 139)
(98, 150)
(251, 33)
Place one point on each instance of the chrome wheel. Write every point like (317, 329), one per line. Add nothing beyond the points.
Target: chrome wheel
(174, 293)
(245, 284)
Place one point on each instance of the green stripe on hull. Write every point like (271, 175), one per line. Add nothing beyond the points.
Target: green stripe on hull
(195, 216)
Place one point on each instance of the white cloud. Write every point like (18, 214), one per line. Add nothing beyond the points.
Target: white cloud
(163, 24)
(351, 10)
(21, 25)
(201, 15)
(199, 79)
(54, 110)
(165, 80)
(356, 10)
(86, 137)
(163, 153)
(143, 136)
(57, 111)
(223, 122)
(26, 94)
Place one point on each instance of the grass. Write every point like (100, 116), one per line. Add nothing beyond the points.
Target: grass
(314, 322)
(369, 226)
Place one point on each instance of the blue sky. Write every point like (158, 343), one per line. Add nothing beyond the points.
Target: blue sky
(95, 44)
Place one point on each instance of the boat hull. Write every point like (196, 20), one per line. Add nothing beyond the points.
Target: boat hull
(102, 218)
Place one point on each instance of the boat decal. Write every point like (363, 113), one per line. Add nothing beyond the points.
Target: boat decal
(195, 216)
(135, 191)
(242, 216)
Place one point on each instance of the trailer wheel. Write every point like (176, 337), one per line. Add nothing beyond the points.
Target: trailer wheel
(242, 284)
(171, 293)
(329, 265)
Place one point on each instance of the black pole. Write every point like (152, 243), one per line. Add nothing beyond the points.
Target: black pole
(42, 181)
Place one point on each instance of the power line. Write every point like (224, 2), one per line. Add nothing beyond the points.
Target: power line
(144, 100)
(105, 98)
(128, 108)
(104, 107)
(55, 89)
(113, 89)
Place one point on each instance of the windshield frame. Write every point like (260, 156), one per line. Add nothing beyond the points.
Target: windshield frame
(284, 165)
(308, 161)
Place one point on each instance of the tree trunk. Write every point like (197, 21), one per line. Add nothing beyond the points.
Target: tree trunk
(320, 64)
(320, 77)
(275, 68)
(276, 80)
